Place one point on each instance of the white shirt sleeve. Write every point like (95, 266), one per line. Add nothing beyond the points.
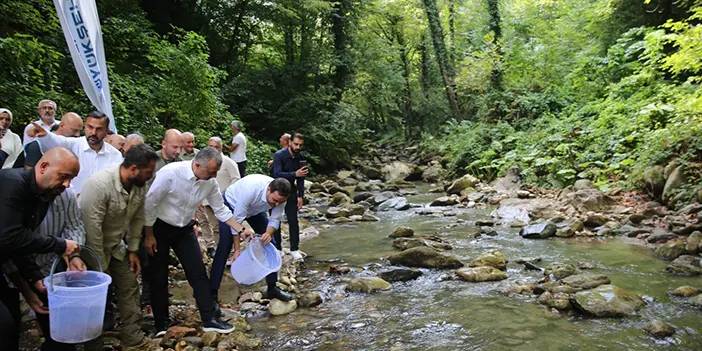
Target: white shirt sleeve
(51, 140)
(158, 190)
(12, 145)
(276, 214)
(214, 198)
(236, 200)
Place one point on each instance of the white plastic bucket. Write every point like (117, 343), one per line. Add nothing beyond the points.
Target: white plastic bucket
(76, 304)
(255, 262)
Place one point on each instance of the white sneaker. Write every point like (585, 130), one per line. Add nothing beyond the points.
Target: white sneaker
(296, 255)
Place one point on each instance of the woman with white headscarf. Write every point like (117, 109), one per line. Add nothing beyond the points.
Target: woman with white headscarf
(10, 143)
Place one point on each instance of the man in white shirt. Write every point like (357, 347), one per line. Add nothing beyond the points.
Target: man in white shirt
(238, 147)
(178, 189)
(93, 153)
(227, 175)
(47, 119)
(250, 199)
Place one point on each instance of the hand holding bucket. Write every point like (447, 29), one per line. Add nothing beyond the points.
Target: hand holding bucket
(256, 262)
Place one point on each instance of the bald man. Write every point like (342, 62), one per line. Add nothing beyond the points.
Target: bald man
(132, 140)
(118, 141)
(70, 126)
(171, 147)
(25, 196)
(189, 149)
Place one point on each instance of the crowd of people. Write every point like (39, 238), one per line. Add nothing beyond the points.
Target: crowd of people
(61, 192)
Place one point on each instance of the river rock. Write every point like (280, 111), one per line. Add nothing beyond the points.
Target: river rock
(278, 308)
(493, 258)
(367, 284)
(341, 220)
(407, 243)
(445, 201)
(355, 209)
(685, 265)
(396, 170)
(659, 329)
(481, 274)
(425, 257)
(672, 183)
(608, 301)
(560, 270)
(336, 212)
(339, 199)
(559, 301)
(538, 231)
(177, 332)
(671, 250)
(696, 300)
(348, 182)
(210, 338)
(660, 236)
(398, 203)
(371, 172)
(433, 173)
(362, 196)
(380, 198)
(317, 188)
(310, 299)
(238, 340)
(694, 243)
(583, 184)
(402, 232)
(590, 199)
(400, 274)
(586, 280)
(685, 291)
(594, 220)
(510, 183)
(367, 217)
(462, 183)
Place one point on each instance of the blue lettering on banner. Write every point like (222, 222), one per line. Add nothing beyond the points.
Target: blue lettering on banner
(86, 45)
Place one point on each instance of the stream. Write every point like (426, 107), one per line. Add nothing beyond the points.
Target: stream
(436, 312)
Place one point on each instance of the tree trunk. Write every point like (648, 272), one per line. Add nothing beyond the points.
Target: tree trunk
(289, 45)
(339, 20)
(452, 31)
(496, 75)
(445, 68)
(425, 77)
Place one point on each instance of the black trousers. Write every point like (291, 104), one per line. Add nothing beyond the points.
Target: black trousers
(293, 225)
(9, 316)
(184, 243)
(242, 168)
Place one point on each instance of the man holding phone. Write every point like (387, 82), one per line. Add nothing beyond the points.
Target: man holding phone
(289, 163)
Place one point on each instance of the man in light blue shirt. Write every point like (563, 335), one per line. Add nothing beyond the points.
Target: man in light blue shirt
(250, 199)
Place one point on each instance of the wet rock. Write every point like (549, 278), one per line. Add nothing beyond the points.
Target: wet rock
(586, 280)
(362, 197)
(671, 250)
(460, 184)
(402, 232)
(355, 209)
(336, 269)
(339, 199)
(538, 231)
(210, 338)
(367, 217)
(396, 170)
(400, 274)
(696, 300)
(485, 223)
(238, 340)
(397, 203)
(565, 232)
(333, 188)
(425, 257)
(493, 258)
(177, 332)
(310, 299)
(685, 265)
(660, 236)
(481, 274)
(509, 213)
(685, 291)
(694, 243)
(367, 285)
(659, 329)
(608, 301)
(336, 212)
(674, 181)
(560, 270)
(380, 198)
(445, 201)
(278, 308)
(559, 301)
(408, 243)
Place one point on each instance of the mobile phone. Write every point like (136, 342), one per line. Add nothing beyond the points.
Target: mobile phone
(303, 163)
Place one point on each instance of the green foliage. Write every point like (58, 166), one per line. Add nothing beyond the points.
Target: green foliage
(258, 154)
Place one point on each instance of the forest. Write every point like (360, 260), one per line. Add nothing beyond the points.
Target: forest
(596, 89)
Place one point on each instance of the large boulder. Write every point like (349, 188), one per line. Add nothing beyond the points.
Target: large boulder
(400, 274)
(367, 285)
(425, 257)
(586, 281)
(310, 299)
(396, 170)
(685, 265)
(396, 203)
(362, 196)
(560, 270)
(371, 172)
(675, 180)
(380, 198)
(671, 250)
(510, 183)
(462, 183)
(493, 258)
(607, 301)
(339, 199)
(685, 291)
(654, 178)
(402, 232)
(538, 231)
(355, 209)
(659, 329)
(694, 243)
(481, 274)
(559, 301)
(433, 173)
(589, 199)
(278, 308)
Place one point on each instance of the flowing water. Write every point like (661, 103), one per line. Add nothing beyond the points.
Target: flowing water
(435, 313)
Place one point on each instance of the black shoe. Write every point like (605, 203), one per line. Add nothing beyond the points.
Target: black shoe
(217, 311)
(160, 331)
(281, 295)
(217, 325)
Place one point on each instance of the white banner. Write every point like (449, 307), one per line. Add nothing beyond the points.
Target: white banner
(81, 27)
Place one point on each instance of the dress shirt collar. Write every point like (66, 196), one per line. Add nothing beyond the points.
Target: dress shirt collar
(86, 146)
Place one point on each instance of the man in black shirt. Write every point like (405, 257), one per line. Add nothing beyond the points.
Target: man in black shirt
(25, 195)
(289, 163)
